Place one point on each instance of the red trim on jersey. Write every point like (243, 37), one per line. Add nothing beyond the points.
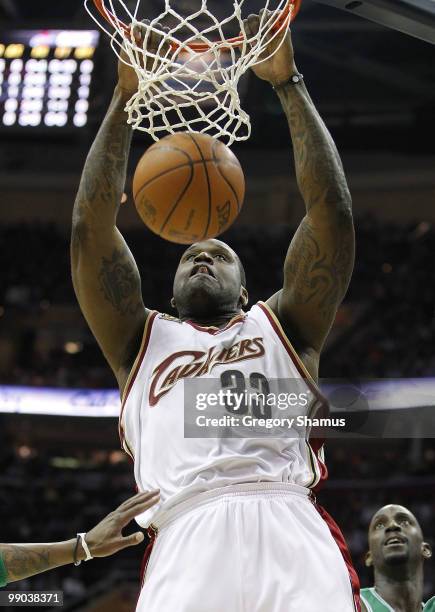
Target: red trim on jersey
(133, 375)
(216, 330)
(152, 534)
(292, 353)
(341, 543)
(322, 408)
(316, 445)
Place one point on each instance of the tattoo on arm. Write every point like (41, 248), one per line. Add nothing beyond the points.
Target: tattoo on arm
(320, 258)
(319, 170)
(105, 276)
(79, 236)
(105, 170)
(318, 277)
(21, 562)
(120, 283)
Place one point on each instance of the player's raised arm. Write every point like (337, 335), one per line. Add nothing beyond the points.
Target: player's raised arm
(320, 258)
(105, 276)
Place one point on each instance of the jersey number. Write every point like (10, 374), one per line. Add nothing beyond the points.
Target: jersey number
(241, 390)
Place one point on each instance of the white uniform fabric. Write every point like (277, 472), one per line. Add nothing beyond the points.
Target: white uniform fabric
(236, 530)
(152, 418)
(248, 548)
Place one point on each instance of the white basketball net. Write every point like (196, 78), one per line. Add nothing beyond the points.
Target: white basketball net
(181, 89)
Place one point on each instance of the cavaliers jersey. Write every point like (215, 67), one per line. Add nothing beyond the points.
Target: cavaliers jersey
(152, 421)
(374, 602)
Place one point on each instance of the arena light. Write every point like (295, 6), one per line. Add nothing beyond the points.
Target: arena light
(9, 118)
(11, 105)
(72, 347)
(24, 452)
(50, 69)
(80, 119)
(59, 402)
(383, 395)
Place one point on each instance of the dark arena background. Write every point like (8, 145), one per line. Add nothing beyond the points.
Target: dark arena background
(61, 467)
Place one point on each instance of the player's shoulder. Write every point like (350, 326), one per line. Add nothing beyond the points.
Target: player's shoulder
(373, 602)
(367, 593)
(429, 606)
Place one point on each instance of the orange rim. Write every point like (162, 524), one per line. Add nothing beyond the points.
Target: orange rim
(287, 15)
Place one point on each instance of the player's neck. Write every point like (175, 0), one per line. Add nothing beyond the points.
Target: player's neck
(403, 593)
(218, 320)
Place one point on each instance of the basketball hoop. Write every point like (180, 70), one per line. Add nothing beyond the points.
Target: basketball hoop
(190, 81)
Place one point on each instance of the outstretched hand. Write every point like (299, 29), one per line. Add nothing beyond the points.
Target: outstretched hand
(281, 63)
(106, 538)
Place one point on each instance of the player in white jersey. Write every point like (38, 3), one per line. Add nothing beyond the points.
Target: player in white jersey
(237, 527)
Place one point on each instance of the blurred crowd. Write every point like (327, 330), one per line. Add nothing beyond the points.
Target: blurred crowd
(393, 335)
(386, 327)
(49, 496)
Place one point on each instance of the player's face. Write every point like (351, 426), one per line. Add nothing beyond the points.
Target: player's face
(207, 280)
(395, 537)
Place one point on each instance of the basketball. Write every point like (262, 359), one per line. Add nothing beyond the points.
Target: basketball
(188, 187)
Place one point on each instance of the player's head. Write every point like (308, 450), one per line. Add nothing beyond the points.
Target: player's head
(209, 280)
(396, 541)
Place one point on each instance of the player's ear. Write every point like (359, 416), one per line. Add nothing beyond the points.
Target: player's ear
(173, 304)
(244, 297)
(368, 559)
(426, 550)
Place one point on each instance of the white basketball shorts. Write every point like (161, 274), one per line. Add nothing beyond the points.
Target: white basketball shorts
(262, 547)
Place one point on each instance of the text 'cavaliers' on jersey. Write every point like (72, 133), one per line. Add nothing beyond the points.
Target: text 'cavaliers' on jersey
(152, 422)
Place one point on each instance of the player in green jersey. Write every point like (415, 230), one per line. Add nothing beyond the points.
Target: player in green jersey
(397, 552)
